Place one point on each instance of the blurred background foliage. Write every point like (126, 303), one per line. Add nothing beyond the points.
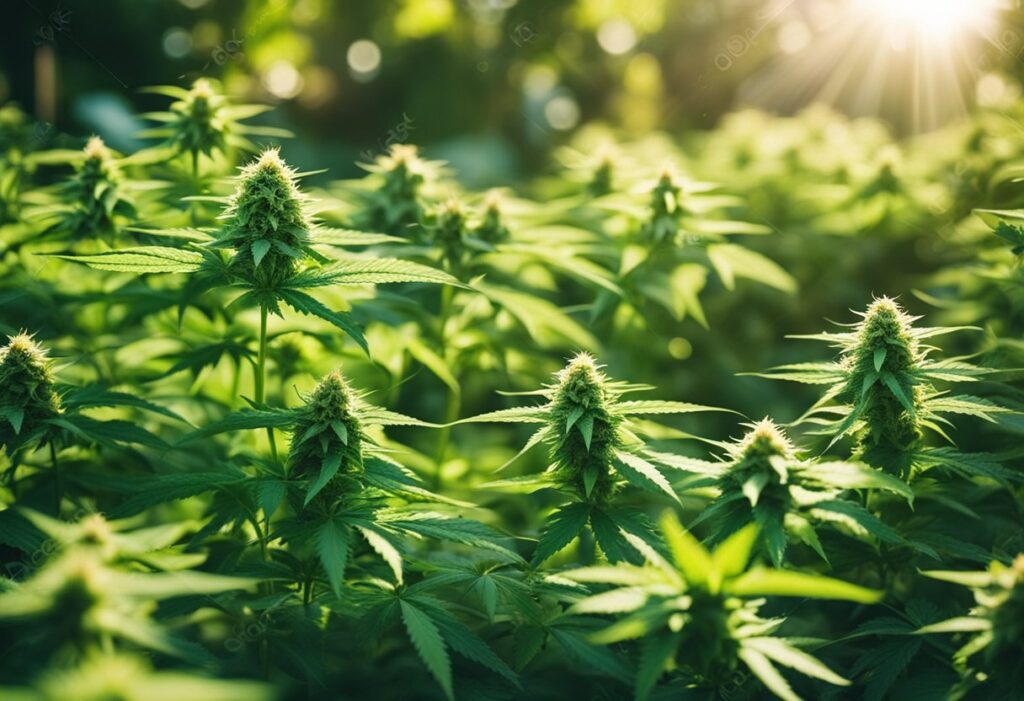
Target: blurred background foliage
(882, 142)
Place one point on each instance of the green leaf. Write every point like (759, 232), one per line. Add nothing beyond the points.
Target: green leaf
(586, 428)
(879, 358)
(429, 644)
(304, 304)
(609, 538)
(961, 624)
(245, 419)
(383, 547)
(765, 582)
(142, 259)
(635, 407)
(730, 558)
(560, 529)
(850, 475)
(897, 390)
(157, 490)
(260, 249)
(328, 468)
(655, 652)
(783, 653)
(769, 676)
(468, 644)
(522, 414)
(692, 559)
(365, 271)
(15, 416)
(731, 261)
(643, 474)
(332, 549)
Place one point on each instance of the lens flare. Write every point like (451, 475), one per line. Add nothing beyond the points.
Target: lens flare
(931, 19)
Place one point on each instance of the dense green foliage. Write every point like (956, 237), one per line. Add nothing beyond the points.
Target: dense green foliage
(251, 420)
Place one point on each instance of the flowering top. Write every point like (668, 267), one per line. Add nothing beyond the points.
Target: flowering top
(397, 204)
(883, 391)
(265, 222)
(666, 210)
(584, 430)
(327, 439)
(27, 392)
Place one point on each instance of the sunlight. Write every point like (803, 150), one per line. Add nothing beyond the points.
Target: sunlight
(932, 19)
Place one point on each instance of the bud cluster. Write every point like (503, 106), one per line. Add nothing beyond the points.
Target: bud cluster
(265, 223)
(27, 392)
(880, 368)
(327, 429)
(585, 430)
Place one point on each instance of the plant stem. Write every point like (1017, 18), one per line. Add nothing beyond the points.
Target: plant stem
(58, 487)
(261, 373)
(454, 398)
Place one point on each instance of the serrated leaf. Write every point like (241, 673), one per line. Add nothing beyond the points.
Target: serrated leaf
(560, 529)
(332, 550)
(142, 259)
(429, 644)
(260, 249)
(328, 468)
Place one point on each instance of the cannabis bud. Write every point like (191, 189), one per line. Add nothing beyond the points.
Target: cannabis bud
(758, 464)
(398, 204)
(96, 193)
(584, 429)
(27, 393)
(265, 223)
(492, 229)
(327, 440)
(880, 369)
(196, 127)
(665, 210)
(448, 233)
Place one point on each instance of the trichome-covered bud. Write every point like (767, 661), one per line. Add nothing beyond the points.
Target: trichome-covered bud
(398, 204)
(448, 233)
(27, 392)
(327, 440)
(584, 429)
(492, 229)
(758, 466)
(666, 210)
(96, 193)
(265, 222)
(196, 128)
(881, 368)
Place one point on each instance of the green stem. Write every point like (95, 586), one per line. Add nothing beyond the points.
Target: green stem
(261, 373)
(454, 399)
(192, 206)
(58, 486)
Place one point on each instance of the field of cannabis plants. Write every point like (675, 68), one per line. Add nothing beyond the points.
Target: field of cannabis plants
(726, 414)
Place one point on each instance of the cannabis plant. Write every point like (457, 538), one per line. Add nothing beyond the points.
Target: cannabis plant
(202, 122)
(394, 196)
(37, 413)
(96, 204)
(668, 234)
(884, 395)
(595, 449)
(763, 480)
(989, 659)
(274, 252)
(696, 613)
(96, 587)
